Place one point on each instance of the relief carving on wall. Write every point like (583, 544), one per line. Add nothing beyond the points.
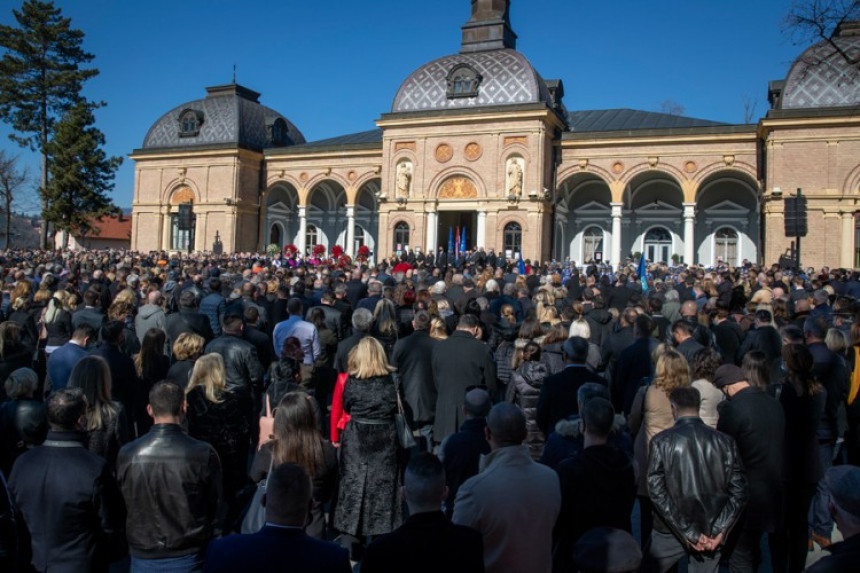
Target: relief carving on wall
(472, 151)
(458, 188)
(444, 153)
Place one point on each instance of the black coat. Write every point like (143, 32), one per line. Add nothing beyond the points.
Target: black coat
(613, 346)
(92, 316)
(70, 503)
(802, 416)
(125, 383)
(367, 501)
(461, 454)
(242, 366)
(428, 543)
(557, 398)
(23, 424)
(266, 551)
(598, 489)
(413, 357)
(263, 344)
(634, 368)
(757, 423)
(831, 370)
(459, 361)
(187, 321)
(18, 356)
(763, 338)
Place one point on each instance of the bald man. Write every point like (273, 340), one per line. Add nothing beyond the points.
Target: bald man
(511, 490)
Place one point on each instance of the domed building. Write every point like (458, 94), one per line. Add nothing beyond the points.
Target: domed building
(479, 141)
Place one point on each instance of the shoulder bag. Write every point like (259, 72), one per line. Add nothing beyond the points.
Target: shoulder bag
(255, 515)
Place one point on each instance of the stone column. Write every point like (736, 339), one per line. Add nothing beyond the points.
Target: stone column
(616, 233)
(848, 245)
(165, 229)
(690, 233)
(432, 231)
(482, 229)
(350, 230)
(303, 230)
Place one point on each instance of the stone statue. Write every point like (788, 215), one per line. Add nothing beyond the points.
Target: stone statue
(515, 178)
(403, 179)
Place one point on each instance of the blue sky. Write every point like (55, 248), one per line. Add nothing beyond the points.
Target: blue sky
(334, 66)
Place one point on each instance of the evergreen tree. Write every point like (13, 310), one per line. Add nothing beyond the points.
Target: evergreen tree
(40, 77)
(81, 174)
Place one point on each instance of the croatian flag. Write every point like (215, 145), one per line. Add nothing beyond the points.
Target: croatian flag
(450, 240)
(521, 264)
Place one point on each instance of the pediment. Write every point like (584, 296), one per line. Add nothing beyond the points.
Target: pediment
(279, 206)
(658, 207)
(727, 207)
(593, 207)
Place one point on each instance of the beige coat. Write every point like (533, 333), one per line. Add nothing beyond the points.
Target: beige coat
(646, 421)
(513, 502)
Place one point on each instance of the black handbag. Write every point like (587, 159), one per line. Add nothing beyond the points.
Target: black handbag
(404, 433)
(255, 515)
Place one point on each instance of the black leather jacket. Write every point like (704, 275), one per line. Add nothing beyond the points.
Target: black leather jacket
(168, 473)
(242, 367)
(695, 480)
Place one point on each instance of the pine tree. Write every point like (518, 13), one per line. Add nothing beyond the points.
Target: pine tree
(81, 174)
(41, 76)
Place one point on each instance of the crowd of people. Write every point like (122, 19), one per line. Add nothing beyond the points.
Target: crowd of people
(242, 412)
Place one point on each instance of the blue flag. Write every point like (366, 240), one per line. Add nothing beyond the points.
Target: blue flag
(521, 265)
(463, 241)
(450, 240)
(642, 271)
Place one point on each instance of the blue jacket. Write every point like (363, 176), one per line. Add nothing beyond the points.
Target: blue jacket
(61, 362)
(212, 307)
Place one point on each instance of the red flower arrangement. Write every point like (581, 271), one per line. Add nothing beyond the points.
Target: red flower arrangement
(291, 249)
(364, 251)
(319, 250)
(336, 251)
(344, 261)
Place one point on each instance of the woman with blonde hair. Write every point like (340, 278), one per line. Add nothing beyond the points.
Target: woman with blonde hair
(367, 500)
(22, 317)
(106, 423)
(220, 417)
(187, 349)
(297, 441)
(438, 329)
(57, 321)
(650, 414)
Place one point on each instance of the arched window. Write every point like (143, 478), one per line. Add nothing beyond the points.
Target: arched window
(513, 239)
(726, 245)
(279, 132)
(401, 235)
(312, 237)
(275, 235)
(592, 245)
(189, 123)
(359, 237)
(463, 81)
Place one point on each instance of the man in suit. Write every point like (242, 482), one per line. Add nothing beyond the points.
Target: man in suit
(618, 341)
(334, 320)
(461, 452)
(355, 289)
(427, 541)
(62, 360)
(756, 422)
(282, 540)
(513, 501)
(459, 361)
(413, 357)
(187, 320)
(634, 365)
(557, 398)
(685, 343)
(91, 313)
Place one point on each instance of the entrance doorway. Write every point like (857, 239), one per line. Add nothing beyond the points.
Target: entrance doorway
(452, 220)
(658, 245)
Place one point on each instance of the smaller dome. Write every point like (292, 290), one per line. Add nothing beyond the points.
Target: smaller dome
(228, 114)
(505, 77)
(822, 77)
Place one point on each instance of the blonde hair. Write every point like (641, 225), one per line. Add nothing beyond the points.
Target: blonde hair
(188, 345)
(42, 295)
(126, 295)
(580, 327)
(55, 305)
(438, 330)
(367, 359)
(92, 375)
(508, 314)
(20, 303)
(671, 372)
(209, 374)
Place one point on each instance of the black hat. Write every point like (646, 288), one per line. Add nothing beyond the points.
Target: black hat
(728, 374)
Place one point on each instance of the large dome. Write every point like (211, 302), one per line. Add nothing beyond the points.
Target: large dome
(505, 77)
(228, 115)
(822, 77)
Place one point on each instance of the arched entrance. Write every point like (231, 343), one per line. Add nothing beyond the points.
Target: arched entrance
(727, 219)
(657, 245)
(584, 208)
